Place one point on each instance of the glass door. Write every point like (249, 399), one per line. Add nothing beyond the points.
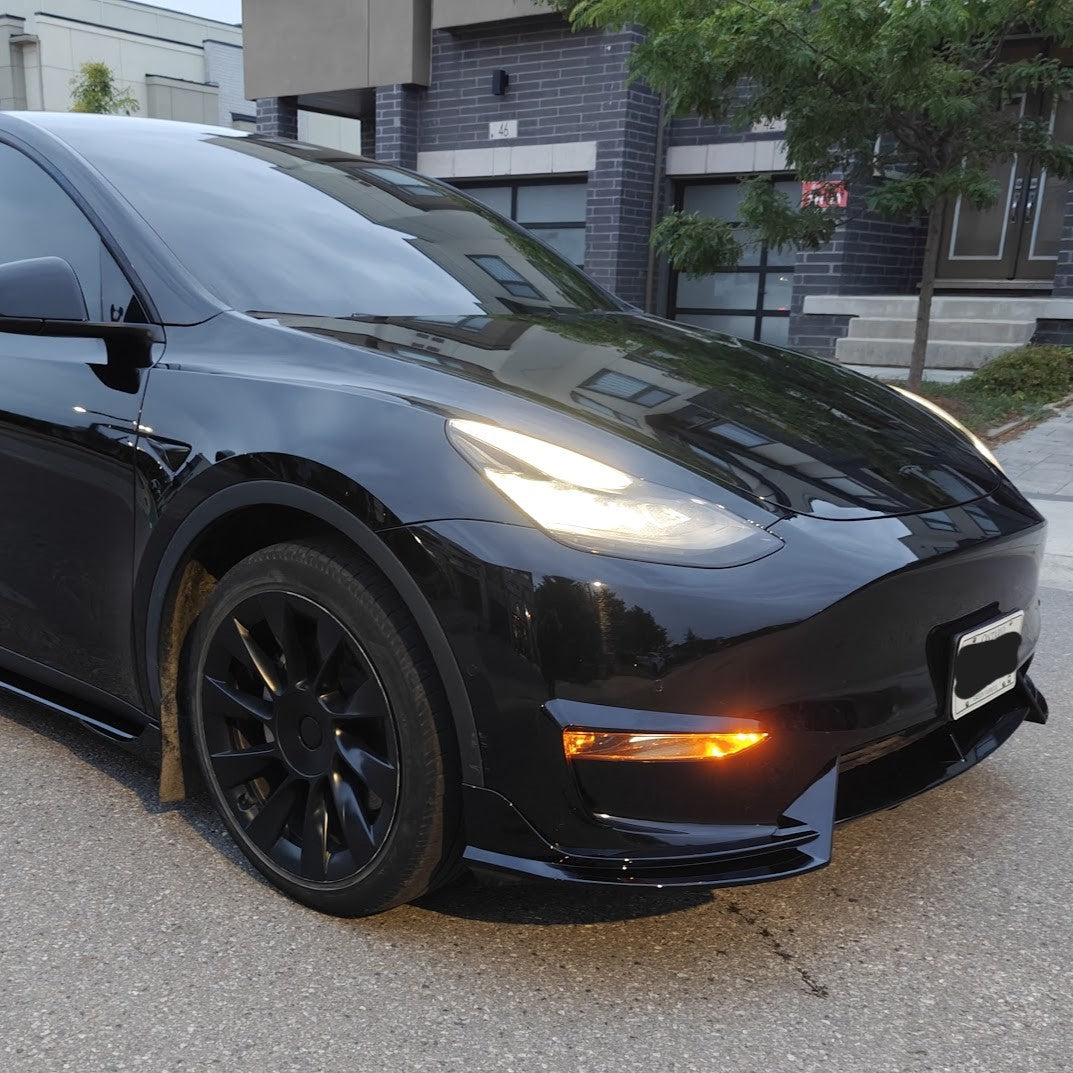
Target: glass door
(750, 299)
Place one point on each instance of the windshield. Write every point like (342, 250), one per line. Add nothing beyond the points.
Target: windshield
(291, 228)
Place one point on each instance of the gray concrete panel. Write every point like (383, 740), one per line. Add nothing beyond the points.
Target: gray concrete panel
(322, 46)
(313, 47)
(447, 14)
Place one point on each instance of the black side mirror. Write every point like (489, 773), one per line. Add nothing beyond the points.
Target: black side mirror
(42, 296)
(45, 288)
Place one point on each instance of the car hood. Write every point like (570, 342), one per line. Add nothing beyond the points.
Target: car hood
(790, 431)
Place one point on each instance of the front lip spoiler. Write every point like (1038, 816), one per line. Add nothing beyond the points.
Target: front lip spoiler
(801, 842)
(939, 755)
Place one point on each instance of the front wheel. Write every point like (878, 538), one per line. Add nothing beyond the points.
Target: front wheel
(321, 730)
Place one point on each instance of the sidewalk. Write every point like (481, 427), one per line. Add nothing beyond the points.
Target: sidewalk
(1040, 463)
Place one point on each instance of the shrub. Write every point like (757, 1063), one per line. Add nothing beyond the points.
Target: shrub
(1036, 374)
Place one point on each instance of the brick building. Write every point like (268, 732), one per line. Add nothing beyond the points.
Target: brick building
(502, 98)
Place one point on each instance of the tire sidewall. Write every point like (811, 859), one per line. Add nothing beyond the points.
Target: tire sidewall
(403, 866)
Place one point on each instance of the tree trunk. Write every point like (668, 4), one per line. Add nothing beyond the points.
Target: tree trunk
(927, 290)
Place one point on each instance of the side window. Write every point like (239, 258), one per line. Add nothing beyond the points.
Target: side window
(38, 219)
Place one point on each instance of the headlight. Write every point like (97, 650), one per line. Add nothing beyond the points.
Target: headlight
(951, 420)
(593, 506)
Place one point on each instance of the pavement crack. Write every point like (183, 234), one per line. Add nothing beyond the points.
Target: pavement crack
(812, 985)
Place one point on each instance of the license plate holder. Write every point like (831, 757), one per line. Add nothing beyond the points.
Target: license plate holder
(984, 663)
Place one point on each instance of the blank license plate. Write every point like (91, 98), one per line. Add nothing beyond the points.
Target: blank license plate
(985, 663)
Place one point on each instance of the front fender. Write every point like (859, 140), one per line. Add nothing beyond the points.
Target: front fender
(160, 566)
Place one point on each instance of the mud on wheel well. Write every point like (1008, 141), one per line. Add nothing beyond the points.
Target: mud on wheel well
(219, 547)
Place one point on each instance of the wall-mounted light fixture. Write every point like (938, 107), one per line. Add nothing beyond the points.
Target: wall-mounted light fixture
(500, 81)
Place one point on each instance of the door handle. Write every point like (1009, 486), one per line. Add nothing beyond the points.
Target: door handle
(1030, 201)
(1015, 204)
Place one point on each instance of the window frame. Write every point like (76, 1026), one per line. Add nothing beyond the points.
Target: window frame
(641, 397)
(109, 244)
(468, 186)
(762, 269)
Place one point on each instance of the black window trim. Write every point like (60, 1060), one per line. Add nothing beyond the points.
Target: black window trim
(513, 182)
(142, 295)
(757, 312)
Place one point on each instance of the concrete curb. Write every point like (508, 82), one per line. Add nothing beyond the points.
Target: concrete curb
(1025, 422)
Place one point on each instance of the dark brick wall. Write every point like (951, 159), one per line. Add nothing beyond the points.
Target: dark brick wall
(695, 131)
(882, 255)
(818, 333)
(692, 130)
(368, 136)
(398, 124)
(1063, 273)
(621, 188)
(562, 84)
(564, 87)
(1054, 331)
(278, 117)
(870, 254)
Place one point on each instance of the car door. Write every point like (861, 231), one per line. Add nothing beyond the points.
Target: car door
(68, 424)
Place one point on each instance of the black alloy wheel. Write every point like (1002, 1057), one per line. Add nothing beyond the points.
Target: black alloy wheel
(332, 768)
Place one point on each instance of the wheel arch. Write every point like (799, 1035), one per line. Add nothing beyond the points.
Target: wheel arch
(298, 511)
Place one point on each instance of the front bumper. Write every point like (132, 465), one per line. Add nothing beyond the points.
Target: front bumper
(838, 645)
(879, 776)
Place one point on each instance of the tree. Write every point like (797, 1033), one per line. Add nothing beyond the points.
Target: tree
(94, 89)
(909, 102)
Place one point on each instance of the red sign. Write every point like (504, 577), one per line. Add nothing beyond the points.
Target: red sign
(825, 195)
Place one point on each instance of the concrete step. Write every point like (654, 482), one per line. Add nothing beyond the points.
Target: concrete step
(942, 354)
(955, 307)
(962, 330)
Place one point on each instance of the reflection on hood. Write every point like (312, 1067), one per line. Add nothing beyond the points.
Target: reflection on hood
(797, 432)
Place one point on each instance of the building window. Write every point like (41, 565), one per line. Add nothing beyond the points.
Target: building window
(553, 211)
(628, 388)
(512, 280)
(412, 184)
(750, 300)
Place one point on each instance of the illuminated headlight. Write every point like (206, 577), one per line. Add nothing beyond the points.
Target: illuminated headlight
(594, 506)
(951, 420)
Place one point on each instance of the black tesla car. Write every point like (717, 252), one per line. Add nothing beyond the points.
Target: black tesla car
(323, 480)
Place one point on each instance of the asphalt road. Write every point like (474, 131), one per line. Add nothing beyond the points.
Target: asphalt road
(941, 938)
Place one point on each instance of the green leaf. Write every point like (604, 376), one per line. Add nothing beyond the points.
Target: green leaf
(94, 89)
(697, 245)
(918, 92)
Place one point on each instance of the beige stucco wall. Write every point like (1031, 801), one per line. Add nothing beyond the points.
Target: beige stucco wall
(333, 132)
(187, 102)
(36, 71)
(133, 17)
(65, 46)
(12, 91)
(448, 13)
(320, 46)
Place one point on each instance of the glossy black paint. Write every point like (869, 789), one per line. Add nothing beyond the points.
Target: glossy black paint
(40, 289)
(896, 536)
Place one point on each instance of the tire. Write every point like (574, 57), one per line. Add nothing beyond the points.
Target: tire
(321, 730)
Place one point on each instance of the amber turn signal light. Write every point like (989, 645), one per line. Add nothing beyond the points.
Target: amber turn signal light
(613, 745)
